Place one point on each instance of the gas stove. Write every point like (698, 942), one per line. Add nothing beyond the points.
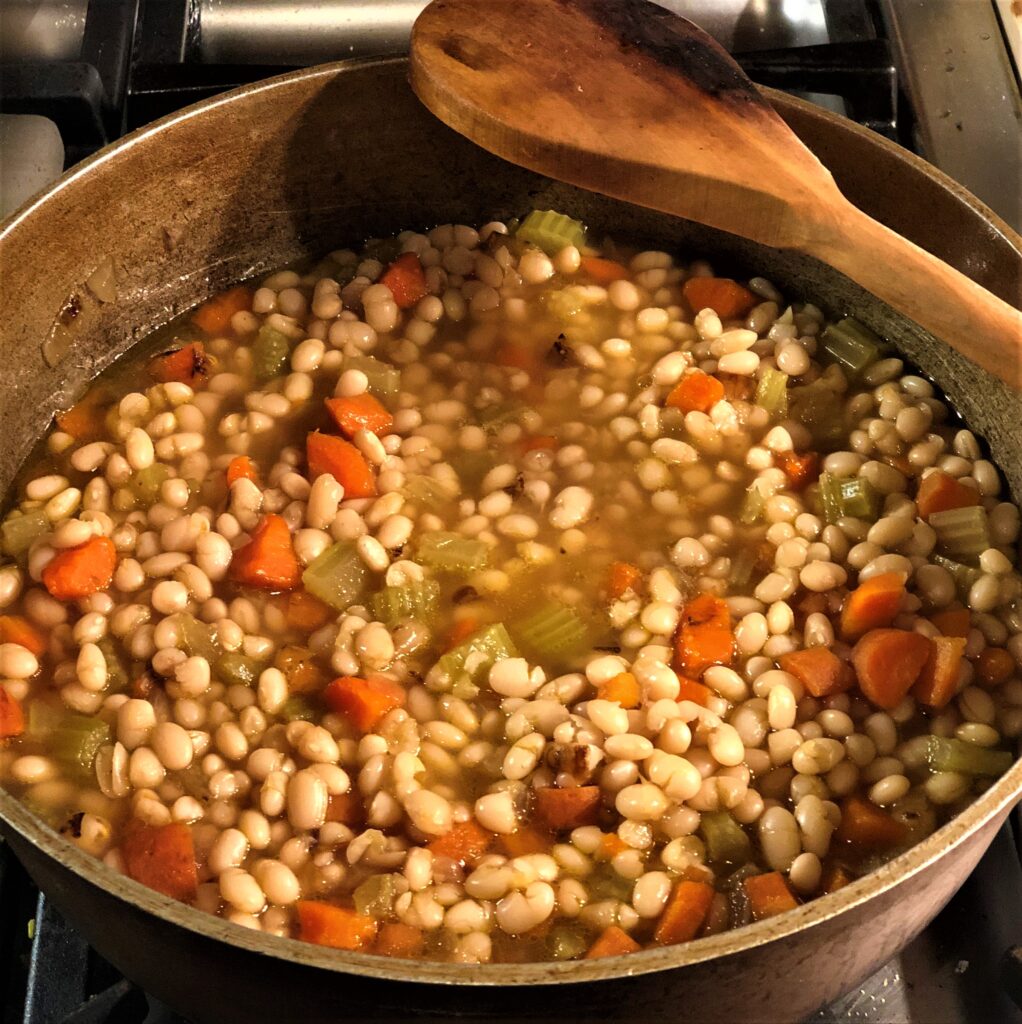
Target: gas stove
(939, 77)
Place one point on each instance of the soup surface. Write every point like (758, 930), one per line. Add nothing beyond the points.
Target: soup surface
(494, 596)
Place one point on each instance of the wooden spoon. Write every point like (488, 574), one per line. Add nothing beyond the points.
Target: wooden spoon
(625, 98)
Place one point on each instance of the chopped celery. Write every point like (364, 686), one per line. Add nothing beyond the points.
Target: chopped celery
(384, 379)
(238, 670)
(772, 392)
(553, 632)
(493, 417)
(471, 467)
(962, 533)
(20, 531)
(737, 878)
(851, 345)
(963, 575)
(947, 755)
(726, 841)
(413, 601)
(566, 942)
(742, 566)
(116, 672)
(198, 638)
(427, 492)
(298, 709)
(147, 483)
(752, 506)
(337, 577)
(472, 658)
(76, 740)
(551, 231)
(607, 884)
(43, 719)
(851, 497)
(270, 351)
(563, 305)
(450, 552)
(820, 411)
(739, 911)
(376, 895)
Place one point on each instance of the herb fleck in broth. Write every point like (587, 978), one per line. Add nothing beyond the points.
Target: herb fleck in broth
(485, 598)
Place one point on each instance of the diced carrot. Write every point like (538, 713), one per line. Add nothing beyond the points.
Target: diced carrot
(614, 941)
(938, 681)
(78, 572)
(346, 808)
(305, 612)
(399, 940)
(268, 561)
(768, 895)
(819, 670)
(623, 577)
(337, 927)
(695, 392)
(939, 491)
(214, 315)
(834, 877)
(563, 809)
(186, 365)
(16, 629)
(537, 442)
(953, 622)
(603, 271)
(872, 604)
(611, 844)
(462, 629)
(517, 357)
(300, 670)
(85, 420)
(526, 840)
(727, 298)
(888, 662)
(406, 280)
(465, 843)
(686, 910)
(801, 470)
(360, 412)
(704, 637)
(364, 701)
(994, 666)
(12, 718)
(241, 467)
(328, 454)
(162, 857)
(866, 827)
(689, 689)
(623, 688)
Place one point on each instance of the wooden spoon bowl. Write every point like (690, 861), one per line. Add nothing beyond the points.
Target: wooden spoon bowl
(625, 98)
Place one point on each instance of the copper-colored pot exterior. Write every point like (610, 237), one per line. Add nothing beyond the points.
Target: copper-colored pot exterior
(328, 157)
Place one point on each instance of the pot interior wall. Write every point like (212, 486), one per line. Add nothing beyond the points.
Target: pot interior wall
(313, 162)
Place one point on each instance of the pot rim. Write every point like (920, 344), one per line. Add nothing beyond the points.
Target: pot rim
(996, 800)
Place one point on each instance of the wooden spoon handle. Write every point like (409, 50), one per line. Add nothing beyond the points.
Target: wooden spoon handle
(939, 298)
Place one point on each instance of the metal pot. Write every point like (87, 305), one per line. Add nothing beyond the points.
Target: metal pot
(253, 179)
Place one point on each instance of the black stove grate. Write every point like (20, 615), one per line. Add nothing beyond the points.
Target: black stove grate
(140, 60)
